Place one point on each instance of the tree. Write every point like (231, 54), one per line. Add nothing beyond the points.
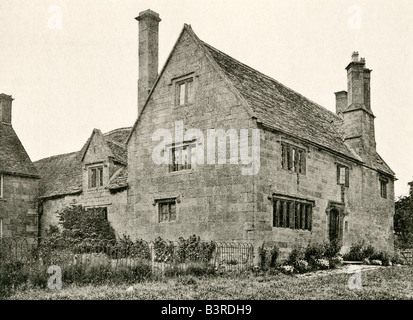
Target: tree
(403, 221)
(79, 223)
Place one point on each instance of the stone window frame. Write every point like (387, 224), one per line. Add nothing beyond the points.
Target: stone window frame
(383, 187)
(188, 91)
(290, 162)
(174, 167)
(283, 207)
(159, 203)
(346, 181)
(99, 177)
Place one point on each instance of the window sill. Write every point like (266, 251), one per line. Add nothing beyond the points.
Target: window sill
(186, 171)
(167, 222)
(96, 189)
(3, 199)
(296, 230)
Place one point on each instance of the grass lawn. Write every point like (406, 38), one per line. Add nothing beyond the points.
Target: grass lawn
(383, 283)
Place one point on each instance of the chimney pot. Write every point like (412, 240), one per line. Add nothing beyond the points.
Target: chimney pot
(355, 56)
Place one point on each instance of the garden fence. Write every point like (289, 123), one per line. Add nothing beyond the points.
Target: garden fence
(406, 254)
(160, 256)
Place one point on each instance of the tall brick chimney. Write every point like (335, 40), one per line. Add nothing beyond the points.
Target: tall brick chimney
(5, 108)
(357, 114)
(148, 53)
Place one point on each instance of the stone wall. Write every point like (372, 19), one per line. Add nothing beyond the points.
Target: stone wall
(18, 207)
(214, 200)
(115, 203)
(366, 217)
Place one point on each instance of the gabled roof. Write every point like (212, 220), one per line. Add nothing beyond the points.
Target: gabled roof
(13, 157)
(276, 106)
(119, 180)
(62, 174)
(279, 107)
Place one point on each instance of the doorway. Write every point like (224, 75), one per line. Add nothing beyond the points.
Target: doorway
(334, 229)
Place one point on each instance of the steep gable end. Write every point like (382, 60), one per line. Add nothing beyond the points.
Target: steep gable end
(97, 148)
(13, 157)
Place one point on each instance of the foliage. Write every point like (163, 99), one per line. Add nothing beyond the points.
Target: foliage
(301, 266)
(335, 262)
(193, 249)
(332, 249)
(80, 224)
(356, 252)
(164, 250)
(403, 221)
(126, 248)
(314, 251)
(382, 256)
(268, 256)
(398, 259)
(322, 264)
(296, 254)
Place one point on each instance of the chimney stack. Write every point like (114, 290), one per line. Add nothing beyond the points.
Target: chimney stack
(358, 83)
(341, 102)
(356, 113)
(148, 54)
(5, 108)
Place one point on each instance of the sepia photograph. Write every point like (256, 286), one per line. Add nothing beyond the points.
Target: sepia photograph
(179, 152)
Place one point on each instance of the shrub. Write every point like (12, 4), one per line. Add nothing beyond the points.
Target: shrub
(194, 249)
(383, 257)
(163, 250)
(335, 261)
(79, 224)
(301, 266)
(322, 264)
(376, 262)
(368, 251)
(287, 269)
(126, 248)
(356, 252)
(332, 249)
(397, 259)
(314, 251)
(269, 256)
(296, 254)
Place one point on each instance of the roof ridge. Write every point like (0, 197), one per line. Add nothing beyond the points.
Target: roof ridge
(272, 79)
(118, 129)
(56, 156)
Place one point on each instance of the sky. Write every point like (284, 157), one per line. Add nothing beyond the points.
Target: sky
(72, 65)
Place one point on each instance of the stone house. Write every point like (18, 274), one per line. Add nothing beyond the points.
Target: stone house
(95, 176)
(318, 178)
(18, 180)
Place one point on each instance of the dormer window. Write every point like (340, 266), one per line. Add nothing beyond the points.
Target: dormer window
(184, 92)
(95, 177)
